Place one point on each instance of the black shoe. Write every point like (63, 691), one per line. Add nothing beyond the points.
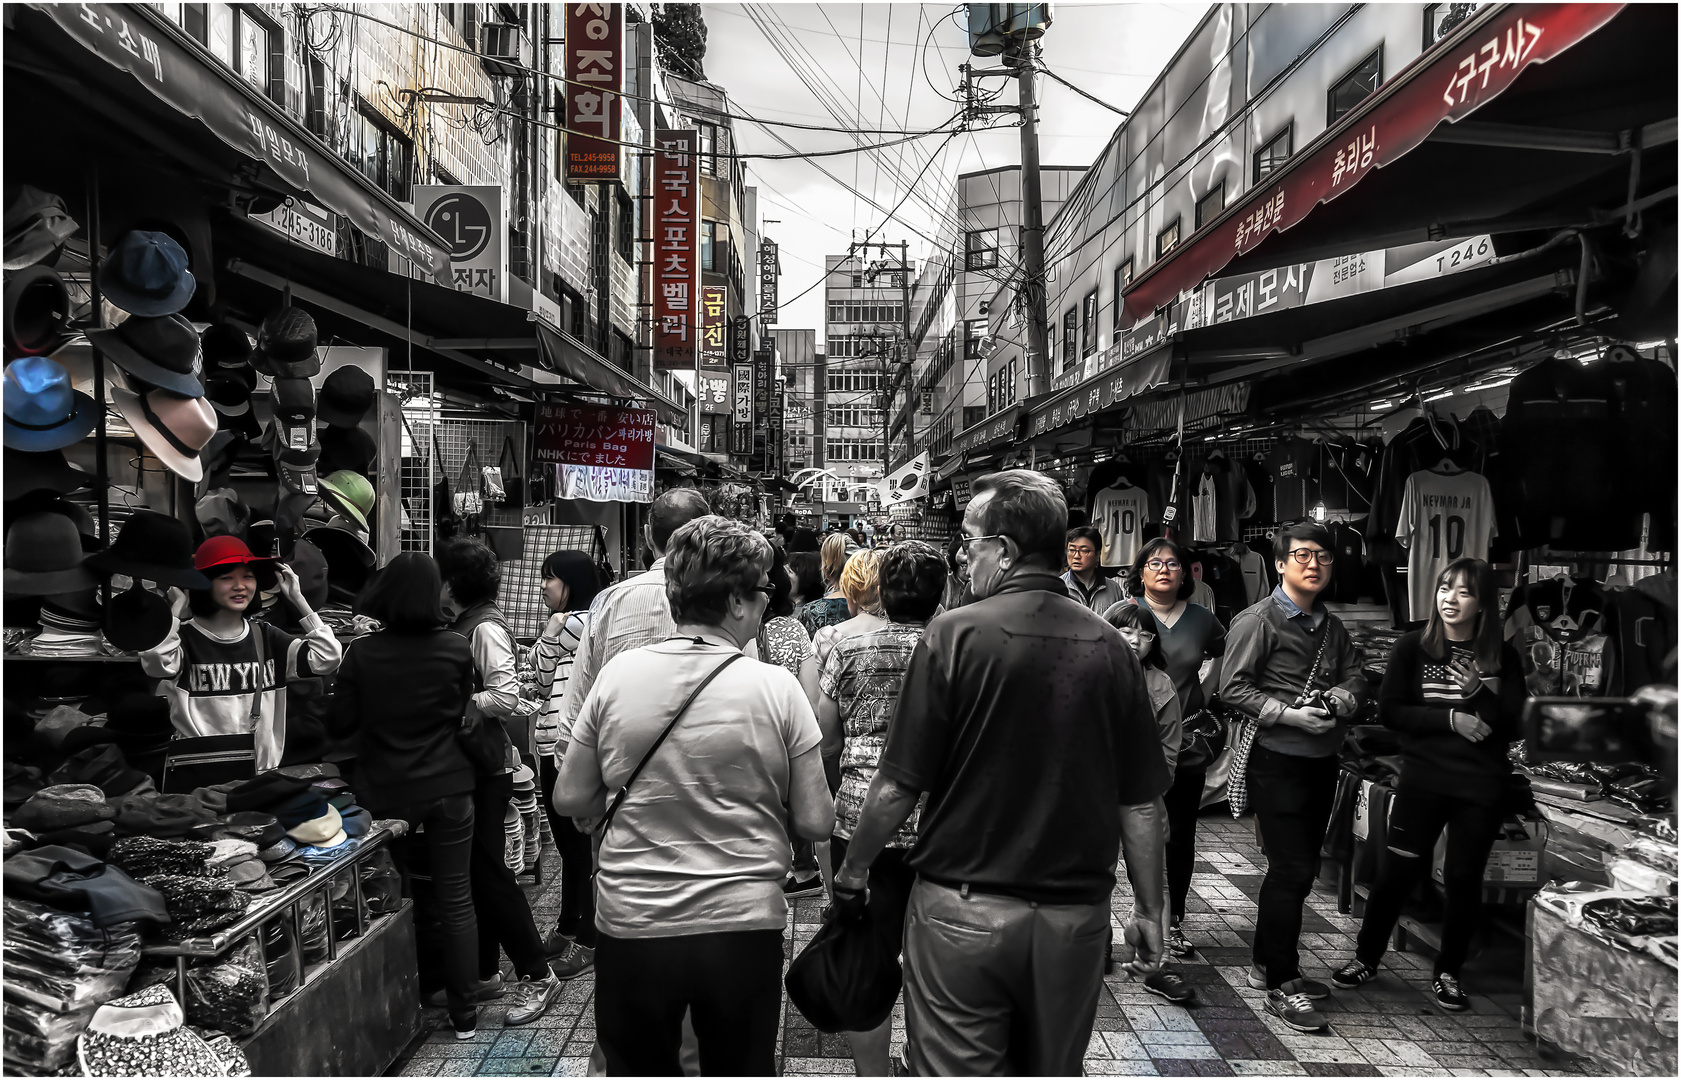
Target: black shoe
(1448, 993)
(466, 1025)
(488, 990)
(1179, 946)
(1354, 974)
(1168, 984)
(556, 942)
(811, 886)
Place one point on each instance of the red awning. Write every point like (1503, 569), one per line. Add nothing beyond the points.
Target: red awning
(1445, 84)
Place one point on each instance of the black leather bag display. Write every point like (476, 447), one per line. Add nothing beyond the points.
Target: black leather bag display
(513, 481)
(1206, 732)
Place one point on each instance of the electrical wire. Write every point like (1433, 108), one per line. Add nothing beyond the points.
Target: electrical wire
(1089, 97)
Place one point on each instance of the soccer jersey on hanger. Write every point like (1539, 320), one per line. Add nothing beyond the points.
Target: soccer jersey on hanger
(1119, 514)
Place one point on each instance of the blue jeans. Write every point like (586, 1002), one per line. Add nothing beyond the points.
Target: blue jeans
(435, 864)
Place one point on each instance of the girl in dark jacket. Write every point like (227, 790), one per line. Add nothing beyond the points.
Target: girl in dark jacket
(1455, 692)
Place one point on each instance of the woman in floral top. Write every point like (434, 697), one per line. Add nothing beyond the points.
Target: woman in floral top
(860, 688)
(832, 607)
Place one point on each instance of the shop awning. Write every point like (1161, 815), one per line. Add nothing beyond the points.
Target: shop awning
(1446, 84)
(566, 354)
(164, 65)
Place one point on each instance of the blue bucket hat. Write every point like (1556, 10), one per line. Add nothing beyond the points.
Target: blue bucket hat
(42, 411)
(146, 274)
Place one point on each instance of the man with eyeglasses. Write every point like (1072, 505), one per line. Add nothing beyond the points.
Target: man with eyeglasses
(1086, 582)
(1025, 719)
(1291, 665)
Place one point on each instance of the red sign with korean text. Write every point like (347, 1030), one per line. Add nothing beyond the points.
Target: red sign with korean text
(1442, 86)
(676, 265)
(595, 81)
(714, 347)
(603, 436)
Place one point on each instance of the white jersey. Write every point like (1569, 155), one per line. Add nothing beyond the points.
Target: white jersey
(1202, 512)
(1119, 514)
(1444, 516)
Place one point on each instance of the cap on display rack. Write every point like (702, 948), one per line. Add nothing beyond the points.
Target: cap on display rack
(286, 345)
(225, 346)
(346, 396)
(36, 225)
(350, 495)
(162, 351)
(152, 547)
(347, 448)
(146, 274)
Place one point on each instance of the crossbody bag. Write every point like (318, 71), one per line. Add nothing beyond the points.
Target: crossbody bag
(1237, 778)
(196, 761)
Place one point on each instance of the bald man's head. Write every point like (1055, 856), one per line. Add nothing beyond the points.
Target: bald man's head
(670, 512)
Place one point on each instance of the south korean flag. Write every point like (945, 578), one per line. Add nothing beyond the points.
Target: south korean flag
(909, 481)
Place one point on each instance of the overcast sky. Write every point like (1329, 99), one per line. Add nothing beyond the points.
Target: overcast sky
(1114, 51)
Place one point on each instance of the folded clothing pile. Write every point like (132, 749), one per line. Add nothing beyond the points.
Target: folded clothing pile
(59, 968)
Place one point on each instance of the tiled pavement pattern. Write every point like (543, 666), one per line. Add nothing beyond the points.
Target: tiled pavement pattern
(1389, 1028)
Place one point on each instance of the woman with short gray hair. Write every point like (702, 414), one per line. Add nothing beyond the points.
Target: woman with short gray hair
(705, 752)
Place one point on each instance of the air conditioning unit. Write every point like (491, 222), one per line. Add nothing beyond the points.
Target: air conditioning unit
(499, 46)
(988, 345)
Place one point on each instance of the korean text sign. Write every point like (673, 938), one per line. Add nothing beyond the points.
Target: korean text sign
(767, 282)
(595, 39)
(602, 436)
(675, 262)
(714, 304)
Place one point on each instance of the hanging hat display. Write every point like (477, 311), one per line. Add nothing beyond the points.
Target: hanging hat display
(350, 562)
(311, 568)
(44, 556)
(36, 225)
(46, 470)
(146, 274)
(152, 547)
(86, 527)
(37, 311)
(350, 495)
(347, 448)
(225, 346)
(297, 470)
(173, 428)
(229, 389)
(286, 345)
(346, 396)
(222, 513)
(42, 410)
(137, 619)
(163, 351)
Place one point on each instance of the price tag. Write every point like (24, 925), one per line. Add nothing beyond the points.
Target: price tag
(1169, 514)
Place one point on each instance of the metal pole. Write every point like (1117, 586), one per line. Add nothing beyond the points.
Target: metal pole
(97, 315)
(1032, 227)
(908, 359)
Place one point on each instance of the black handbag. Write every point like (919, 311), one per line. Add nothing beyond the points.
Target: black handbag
(847, 977)
(512, 482)
(444, 521)
(1205, 734)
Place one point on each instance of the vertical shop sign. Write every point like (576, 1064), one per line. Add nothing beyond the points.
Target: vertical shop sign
(713, 389)
(744, 394)
(767, 283)
(741, 340)
(473, 223)
(676, 218)
(599, 452)
(764, 375)
(714, 301)
(595, 81)
(778, 393)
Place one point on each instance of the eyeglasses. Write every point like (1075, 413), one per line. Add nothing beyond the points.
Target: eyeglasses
(768, 590)
(1307, 555)
(1162, 564)
(967, 540)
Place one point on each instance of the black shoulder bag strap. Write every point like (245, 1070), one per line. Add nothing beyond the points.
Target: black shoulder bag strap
(618, 800)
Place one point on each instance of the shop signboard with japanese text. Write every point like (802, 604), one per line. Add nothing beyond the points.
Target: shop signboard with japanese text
(714, 326)
(676, 210)
(473, 223)
(767, 283)
(594, 47)
(603, 453)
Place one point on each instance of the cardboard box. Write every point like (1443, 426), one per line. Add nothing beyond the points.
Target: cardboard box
(1512, 862)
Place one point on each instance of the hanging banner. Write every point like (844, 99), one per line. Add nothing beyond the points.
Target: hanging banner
(472, 221)
(743, 395)
(595, 49)
(599, 452)
(767, 283)
(764, 374)
(675, 266)
(714, 302)
(712, 388)
(909, 481)
(603, 485)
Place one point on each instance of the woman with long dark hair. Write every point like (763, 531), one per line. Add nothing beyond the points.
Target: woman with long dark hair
(1455, 693)
(1187, 634)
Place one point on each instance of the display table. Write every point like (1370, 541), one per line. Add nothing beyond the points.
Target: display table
(1613, 1005)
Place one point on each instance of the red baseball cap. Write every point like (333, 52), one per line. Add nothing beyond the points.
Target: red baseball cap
(220, 551)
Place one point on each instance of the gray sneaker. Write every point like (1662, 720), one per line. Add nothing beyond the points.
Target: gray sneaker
(1295, 1009)
(530, 999)
(574, 961)
(1314, 989)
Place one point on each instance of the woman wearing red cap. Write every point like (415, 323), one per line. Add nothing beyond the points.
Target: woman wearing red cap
(225, 675)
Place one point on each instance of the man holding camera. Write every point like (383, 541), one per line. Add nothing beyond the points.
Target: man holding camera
(1291, 665)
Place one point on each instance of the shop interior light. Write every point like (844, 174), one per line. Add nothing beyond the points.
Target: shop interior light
(1440, 396)
(1319, 512)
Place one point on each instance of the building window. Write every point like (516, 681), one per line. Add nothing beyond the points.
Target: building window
(711, 145)
(1123, 278)
(1210, 205)
(1010, 385)
(992, 393)
(1440, 20)
(257, 45)
(1070, 328)
(1275, 153)
(980, 251)
(1355, 87)
(1168, 238)
(974, 332)
(850, 311)
(465, 19)
(317, 117)
(627, 227)
(195, 20)
(714, 246)
(381, 154)
(1088, 324)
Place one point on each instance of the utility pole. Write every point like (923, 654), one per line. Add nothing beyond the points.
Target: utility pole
(907, 359)
(1033, 224)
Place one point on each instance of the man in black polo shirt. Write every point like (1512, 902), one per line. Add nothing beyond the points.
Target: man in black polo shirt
(1025, 719)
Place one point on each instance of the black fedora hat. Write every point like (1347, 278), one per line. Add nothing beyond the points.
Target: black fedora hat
(45, 470)
(346, 396)
(286, 345)
(311, 568)
(47, 502)
(44, 556)
(161, 350)
(350, 562)
(152, 547)
(146, 274)
(37, 309)
(36, 225)
(346, 448)
(225, 346)
(137, 619)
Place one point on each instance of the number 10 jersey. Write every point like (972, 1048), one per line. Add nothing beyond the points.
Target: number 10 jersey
(1119, 514)
(1444, 516)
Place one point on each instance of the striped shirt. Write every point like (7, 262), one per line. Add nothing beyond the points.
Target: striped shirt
(551, 659)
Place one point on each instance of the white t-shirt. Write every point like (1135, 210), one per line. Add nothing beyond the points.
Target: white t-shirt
(1444, 516)
(1202, 512)
(1119, 514)
(701, 842)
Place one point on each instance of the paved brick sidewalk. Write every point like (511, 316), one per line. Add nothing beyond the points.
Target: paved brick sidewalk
(1389, 1028)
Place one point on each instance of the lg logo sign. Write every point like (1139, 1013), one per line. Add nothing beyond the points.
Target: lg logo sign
(463, 222)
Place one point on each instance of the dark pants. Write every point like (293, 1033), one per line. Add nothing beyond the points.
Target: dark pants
(731, 983)
(1184, 802)
(577, 860)
(435, 866)
(1292, 800)
(1415, 821)
(504, 913)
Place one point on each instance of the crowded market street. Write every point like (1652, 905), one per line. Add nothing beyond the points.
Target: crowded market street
(887, 539)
